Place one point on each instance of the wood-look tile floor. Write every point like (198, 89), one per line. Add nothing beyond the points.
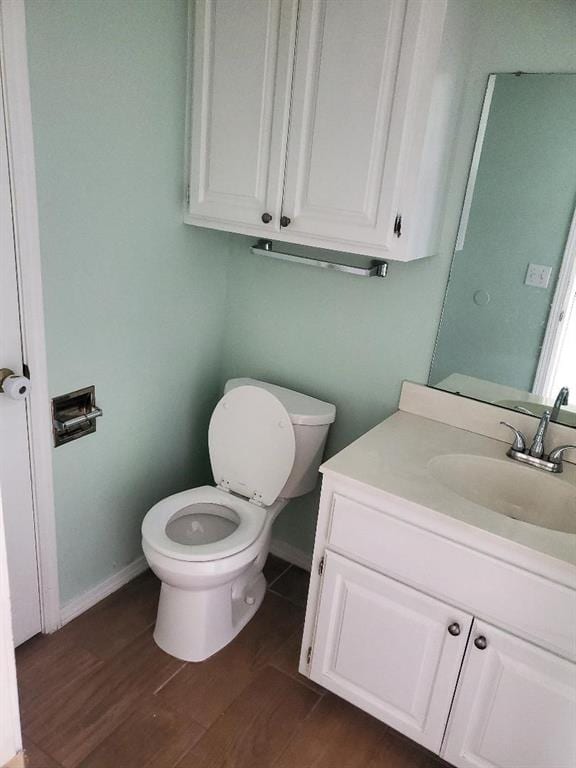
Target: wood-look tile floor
(100, 694)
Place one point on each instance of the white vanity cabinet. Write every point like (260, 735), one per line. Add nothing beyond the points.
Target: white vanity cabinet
(515, 705)
(469, 655)
(388, 648)
(308, 119)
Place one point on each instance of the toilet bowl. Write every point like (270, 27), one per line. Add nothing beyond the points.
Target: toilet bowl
(208, 545)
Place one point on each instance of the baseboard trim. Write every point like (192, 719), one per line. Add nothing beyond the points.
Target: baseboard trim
(78, 605)
(291, 554)
(16, 762)
(87, 600)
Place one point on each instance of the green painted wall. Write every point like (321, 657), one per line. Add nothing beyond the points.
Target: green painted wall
(134, 299)
(158, 314)
(348, 341)
(353, 342)
(521, 212)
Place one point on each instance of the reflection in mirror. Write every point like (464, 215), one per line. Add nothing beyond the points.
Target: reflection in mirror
(508, 330)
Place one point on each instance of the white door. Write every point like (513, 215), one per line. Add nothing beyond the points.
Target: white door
(15, 475)
(358, 106)
(515, 706)
(241, 78)
(388, 649)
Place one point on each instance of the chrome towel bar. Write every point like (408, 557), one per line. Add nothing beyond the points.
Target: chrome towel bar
(376, 269)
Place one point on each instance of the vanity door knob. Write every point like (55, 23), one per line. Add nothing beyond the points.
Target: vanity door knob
(480, 642)
(454, 629)
(266, 218)
(284, 221)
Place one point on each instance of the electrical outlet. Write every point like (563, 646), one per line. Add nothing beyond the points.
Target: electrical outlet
(538, 275)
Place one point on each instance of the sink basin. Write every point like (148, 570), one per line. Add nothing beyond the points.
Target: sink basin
(566, 416)
(522, 493)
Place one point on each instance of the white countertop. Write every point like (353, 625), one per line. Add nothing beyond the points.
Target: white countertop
(393, 458)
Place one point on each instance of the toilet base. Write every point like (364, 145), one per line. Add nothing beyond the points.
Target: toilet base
(192, 625)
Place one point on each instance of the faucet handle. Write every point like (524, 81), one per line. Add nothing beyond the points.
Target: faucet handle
(519, 443)
(556, 456)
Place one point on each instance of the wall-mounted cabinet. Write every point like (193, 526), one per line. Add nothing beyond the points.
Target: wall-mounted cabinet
(307, 120)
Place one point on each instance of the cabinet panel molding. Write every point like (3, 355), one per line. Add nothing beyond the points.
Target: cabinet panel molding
(345, 76)
(387, 648)
(241, 73)
(515, 706)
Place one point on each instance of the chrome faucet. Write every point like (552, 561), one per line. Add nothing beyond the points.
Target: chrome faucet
(537, 447)
(535, 456)
(561, 399)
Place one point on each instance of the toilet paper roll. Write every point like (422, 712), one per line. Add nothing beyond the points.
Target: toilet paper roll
(16, 387)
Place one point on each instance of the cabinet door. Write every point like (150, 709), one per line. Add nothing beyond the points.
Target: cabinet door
(362, 80)
(515, 706)
(386, 648)
(242, 53)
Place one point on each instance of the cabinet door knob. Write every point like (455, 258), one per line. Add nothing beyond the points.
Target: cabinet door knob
(266, 218)
(480, 642)
(454, 629)
(284, 221)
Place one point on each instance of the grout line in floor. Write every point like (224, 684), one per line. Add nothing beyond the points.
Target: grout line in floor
(172, 676)
(275, 579)
(37, 746)
(300, 678)
(320, 695)
(288, 600)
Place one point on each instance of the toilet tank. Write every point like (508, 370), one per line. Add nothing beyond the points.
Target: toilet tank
(311, 419)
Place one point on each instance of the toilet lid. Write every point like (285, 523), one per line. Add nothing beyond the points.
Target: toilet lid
(252, 444)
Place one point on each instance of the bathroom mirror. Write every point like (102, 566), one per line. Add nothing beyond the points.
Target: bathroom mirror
(508, 329)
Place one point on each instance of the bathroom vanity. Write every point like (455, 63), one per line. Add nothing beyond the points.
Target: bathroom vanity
(450, 621)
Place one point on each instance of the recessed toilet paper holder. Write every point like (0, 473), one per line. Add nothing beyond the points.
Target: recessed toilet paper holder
(74, 415)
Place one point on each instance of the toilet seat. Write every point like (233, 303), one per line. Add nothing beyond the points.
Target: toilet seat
(251, 522)
(252, 444)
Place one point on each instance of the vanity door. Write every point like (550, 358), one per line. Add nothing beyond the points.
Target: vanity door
(388, 649)
(515, 706)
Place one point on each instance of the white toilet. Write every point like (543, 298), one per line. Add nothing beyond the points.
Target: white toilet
(208, 545)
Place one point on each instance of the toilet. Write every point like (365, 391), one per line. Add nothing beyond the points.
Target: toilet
(208, 545)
